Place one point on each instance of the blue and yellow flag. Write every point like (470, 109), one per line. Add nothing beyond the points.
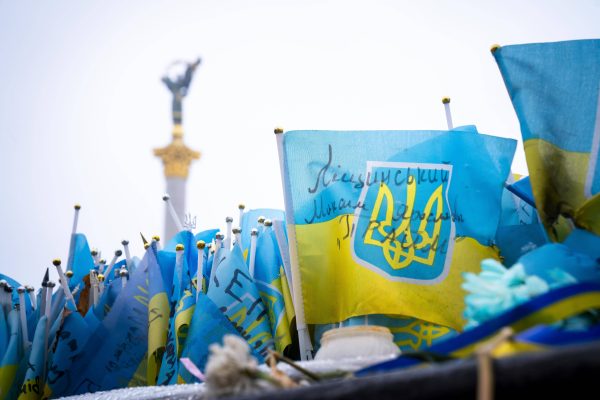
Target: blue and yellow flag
(545, 309)
(234, 291)
(386, 221)
(115, 354)
(71, 338)
(180, 317)
(12, 357)
(32, 387)
(270, 279)
(554, 88)
(208, 326)
(158, 319)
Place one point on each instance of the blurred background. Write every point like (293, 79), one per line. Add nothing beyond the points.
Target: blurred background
(82, 104)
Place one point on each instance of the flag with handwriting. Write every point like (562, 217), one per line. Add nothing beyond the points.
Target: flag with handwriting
(115, 354)
(555, 89)
(71, 338)
(386, 221)
(234, 291)
(32, 386)
(520, 229)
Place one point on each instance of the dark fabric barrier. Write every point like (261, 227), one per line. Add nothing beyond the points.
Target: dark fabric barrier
(551, 374)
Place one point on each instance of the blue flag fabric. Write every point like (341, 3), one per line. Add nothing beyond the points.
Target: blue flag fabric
(520, 229)
(208, 326)
(166, 261)
(31, 387)
(71, 339)
(268, 271)
(4, 332)
(15, 295)
(158, 321)
(583, 265)
(119, 344)
(12, 357)
(82, 261)
(189, 240)
(249, 222)
(235, 293)
(522, 189)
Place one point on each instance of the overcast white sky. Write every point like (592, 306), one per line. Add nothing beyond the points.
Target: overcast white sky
(82, 105)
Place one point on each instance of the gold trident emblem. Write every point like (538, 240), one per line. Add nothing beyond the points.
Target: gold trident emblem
(400, 254)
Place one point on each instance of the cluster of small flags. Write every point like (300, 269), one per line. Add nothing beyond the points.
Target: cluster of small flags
(129, 321)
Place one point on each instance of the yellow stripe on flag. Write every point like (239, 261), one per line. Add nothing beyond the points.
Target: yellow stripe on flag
(339, 288)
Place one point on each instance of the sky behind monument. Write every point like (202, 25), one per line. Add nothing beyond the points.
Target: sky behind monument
(82, 105)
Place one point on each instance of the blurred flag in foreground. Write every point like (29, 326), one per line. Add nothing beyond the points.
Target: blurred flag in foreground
(386, 221)
(554, 88)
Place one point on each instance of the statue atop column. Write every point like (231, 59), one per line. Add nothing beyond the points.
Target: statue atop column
(179, 84)
(176, 156)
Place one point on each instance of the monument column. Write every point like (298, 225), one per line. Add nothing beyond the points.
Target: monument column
(177, 157)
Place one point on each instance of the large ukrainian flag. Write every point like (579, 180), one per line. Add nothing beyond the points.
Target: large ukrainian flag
(386, 221)
(554, 88)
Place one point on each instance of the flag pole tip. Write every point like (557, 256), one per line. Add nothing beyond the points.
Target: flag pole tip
(236, 231)
(179, 247)
(228, 219)
(124, 242)
(220, 236)
(278, 130)
(101, 277)
(118, 253)
(21, 289)
(102, 261)
(94, 252)
(241, 206)
(200, 244)
(445, 100)
(166, 197)
(261, 220)
(56, 262)
(77, 207)
(268, 222)
(254, 232)
(69, 274)
(156, 238)
(494, 47)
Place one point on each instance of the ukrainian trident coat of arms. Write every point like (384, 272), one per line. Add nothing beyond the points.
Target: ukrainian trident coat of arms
(405, 232)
